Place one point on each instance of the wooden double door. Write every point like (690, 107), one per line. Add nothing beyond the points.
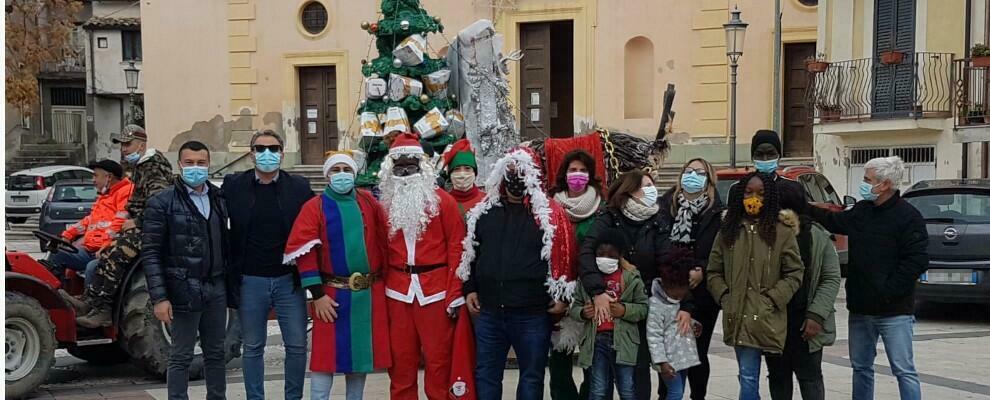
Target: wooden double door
(318, 130)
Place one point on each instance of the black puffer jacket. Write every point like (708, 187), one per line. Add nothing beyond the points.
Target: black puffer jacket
(704, 230)
(173, 238)
(649, 241)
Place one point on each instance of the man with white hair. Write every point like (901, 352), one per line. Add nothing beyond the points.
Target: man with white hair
(339, 244)
(424, 240)
(887, 253)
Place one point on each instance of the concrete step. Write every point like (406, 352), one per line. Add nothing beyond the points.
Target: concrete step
(52, 146)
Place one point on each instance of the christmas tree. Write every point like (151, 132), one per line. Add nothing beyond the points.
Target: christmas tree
(404, 85)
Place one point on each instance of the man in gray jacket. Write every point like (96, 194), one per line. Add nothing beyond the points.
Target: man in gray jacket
(810, 315)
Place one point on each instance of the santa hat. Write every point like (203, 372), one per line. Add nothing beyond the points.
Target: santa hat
(406, 144)
(338, 157)
(460, 154)
(558, 240)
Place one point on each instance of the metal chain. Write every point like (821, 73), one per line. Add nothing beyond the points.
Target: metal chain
(613, 162)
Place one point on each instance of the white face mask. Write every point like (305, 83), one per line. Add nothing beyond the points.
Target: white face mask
(649, 196)
(607, 265)
(462, 180)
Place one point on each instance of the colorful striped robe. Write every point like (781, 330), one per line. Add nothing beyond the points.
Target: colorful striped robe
(339, 235)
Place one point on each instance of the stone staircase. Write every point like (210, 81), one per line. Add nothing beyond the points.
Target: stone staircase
(312, 172)
(40, 155)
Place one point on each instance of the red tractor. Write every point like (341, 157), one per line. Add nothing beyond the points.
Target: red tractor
(39, 321)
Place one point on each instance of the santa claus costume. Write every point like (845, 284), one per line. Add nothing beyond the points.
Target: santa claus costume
(338, 243)
(554, 247)
(463, 186)
(425, 230)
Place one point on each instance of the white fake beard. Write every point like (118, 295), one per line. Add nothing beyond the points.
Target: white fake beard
(410, 201)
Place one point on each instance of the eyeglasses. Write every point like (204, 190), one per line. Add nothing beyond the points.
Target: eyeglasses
(699, 171)
(274, 148)
(405, 170)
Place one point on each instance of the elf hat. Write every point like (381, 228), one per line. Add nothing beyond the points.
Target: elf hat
(406, 144)
(460, 154)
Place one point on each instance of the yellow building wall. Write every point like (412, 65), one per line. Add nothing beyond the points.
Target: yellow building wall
(227, 69)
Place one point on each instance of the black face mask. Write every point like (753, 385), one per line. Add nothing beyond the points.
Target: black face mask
(515, 185)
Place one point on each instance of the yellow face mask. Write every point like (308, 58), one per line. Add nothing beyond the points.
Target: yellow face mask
(753, 205)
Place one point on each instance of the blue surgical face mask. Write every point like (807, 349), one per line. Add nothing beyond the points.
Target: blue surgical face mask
(766, 166)
(691, 182)
(866, 191)
(194, 175)
(342, 182)
(132, 158)
(267, 161)
(649, 196)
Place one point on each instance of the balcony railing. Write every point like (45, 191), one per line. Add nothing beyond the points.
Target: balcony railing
(920, 86)
(972, 91)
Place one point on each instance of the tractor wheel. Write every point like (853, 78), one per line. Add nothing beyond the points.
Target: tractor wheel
(103, 354)
(148, 340)
(30, 345)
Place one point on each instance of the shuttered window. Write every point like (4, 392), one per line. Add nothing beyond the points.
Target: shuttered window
(894, 24)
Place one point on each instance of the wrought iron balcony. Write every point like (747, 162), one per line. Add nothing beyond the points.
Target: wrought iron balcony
(972, 92)
(919, 86)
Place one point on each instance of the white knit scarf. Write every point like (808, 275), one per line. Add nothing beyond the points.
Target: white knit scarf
(637, 211)
(684, 220)
(581, 207)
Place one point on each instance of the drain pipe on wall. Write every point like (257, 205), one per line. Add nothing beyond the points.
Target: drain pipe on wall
(969, 27)
(776, 68)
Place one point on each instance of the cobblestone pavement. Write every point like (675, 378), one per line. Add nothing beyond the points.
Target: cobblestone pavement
(951, 354)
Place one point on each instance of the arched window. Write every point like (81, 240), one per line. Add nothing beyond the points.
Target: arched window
(638, 78)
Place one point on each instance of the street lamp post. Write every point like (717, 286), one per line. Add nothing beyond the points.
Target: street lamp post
(131, 80)
(735, 34)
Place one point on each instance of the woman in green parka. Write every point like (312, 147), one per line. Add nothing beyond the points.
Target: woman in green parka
(753, 271)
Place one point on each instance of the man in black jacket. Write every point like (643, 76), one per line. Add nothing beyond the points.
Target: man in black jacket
(765, 152)
(263, 204)
(184, 248)
(888, 245)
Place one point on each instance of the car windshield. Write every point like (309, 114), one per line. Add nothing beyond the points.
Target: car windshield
(723, 189)
(74, 194)
(959, 207)
(21, 182)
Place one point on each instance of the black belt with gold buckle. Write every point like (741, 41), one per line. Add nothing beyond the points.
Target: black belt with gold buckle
(356, 282)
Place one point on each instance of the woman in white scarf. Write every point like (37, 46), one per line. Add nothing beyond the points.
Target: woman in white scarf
(633, 210)
(577, 189)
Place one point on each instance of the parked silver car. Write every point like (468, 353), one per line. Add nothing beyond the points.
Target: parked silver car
(957, 213)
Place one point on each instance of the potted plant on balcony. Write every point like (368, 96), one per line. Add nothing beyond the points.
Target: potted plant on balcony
(980, 54)
(892, 57)
(816, 64)
(828, 112)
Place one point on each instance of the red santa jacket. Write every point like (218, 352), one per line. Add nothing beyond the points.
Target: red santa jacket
(439, 244)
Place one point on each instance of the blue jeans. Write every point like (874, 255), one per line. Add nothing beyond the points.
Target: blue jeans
(897, 333)
(320, 384)
(675, 385)
(604, 368)
(258, 296)
(82, 262)
(528, 334)
(748, 359)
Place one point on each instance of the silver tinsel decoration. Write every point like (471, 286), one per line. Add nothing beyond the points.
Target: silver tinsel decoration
(479, 81)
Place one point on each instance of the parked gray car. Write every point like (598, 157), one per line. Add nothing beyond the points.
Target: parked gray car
(67, 203)
(957, 213)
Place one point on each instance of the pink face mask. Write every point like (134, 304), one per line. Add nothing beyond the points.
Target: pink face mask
(577, 181)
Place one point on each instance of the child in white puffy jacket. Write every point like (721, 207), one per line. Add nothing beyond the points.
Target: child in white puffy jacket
(672, 353)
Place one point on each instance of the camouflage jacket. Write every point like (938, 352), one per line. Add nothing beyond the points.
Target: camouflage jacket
(152, 174)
